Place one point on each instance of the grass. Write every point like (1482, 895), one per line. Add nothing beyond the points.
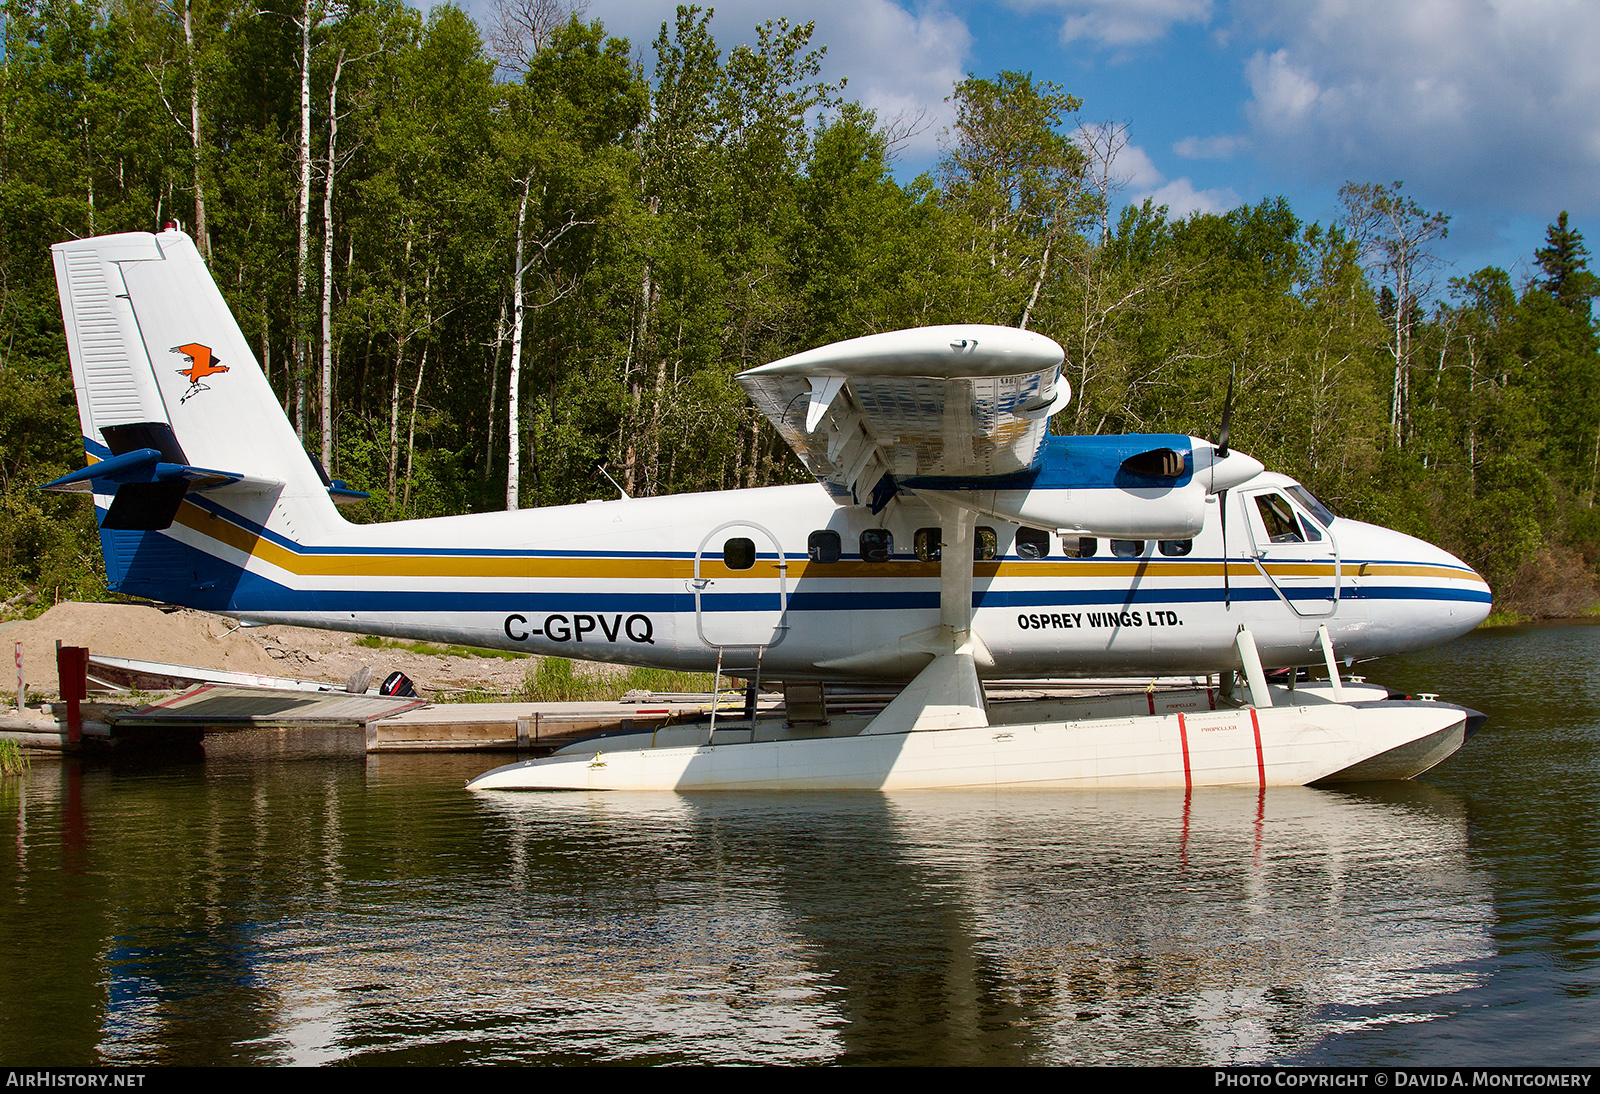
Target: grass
(555, 681)
(12, 761)
(428, 649)
(1505, 618)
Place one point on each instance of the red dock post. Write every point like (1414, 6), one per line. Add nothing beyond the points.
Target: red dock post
(72, 673)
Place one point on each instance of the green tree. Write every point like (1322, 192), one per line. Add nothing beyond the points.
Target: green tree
(1019, 179)
(1395, 234)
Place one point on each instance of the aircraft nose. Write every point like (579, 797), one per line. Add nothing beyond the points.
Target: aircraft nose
(1477, 599)
(1439, 597)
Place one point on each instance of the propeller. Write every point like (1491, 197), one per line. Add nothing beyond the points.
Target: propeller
(1222, 495)
(1227, 416)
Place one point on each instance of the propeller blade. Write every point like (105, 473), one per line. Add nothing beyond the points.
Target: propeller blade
(1222, 504)
(1227, 417)
(1222, 495)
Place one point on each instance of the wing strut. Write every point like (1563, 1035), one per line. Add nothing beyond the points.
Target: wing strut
(947, 694)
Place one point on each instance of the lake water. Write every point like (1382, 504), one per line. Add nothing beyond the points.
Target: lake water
(276, 902)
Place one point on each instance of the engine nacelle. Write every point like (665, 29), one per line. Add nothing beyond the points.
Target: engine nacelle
(1129, 487)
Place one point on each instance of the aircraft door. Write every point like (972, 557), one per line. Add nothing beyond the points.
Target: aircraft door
(1296, 553)
(740, 585)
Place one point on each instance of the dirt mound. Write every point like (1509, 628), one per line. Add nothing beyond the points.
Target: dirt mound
(203, 640)
(130, 630)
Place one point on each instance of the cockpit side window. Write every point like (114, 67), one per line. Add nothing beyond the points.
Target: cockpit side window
(1277, 515)
(1324, 515)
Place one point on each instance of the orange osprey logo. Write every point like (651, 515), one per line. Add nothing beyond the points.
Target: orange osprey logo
(201, 365)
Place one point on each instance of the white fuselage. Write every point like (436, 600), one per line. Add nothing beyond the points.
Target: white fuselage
(646, 581)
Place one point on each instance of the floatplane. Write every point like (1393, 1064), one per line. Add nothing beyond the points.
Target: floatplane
(949, 539)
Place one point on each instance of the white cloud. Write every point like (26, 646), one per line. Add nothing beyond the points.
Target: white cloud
(1284, 94)
(1181, 198)
(1223, 147)
(1137, 177)
(1121, 22)
(1132, 168)
(1473, 102)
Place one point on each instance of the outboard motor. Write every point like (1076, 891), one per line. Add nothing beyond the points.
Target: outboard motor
(398, 684)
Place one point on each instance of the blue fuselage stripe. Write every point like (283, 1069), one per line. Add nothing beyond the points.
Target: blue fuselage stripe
(255, 593)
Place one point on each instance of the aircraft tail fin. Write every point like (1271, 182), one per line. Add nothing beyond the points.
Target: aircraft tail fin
(174, 409)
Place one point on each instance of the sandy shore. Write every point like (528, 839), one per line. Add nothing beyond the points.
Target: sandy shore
(203, 640)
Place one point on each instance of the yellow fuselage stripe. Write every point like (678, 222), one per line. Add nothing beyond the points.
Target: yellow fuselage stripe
(527, 567)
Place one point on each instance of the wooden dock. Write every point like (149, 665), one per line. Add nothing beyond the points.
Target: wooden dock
(394, 724)
(391, 724)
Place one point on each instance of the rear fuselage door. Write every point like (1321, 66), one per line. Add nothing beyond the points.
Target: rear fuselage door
(1297, 554)
(740, 584)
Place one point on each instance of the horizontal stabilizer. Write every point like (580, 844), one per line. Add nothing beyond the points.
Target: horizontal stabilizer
(343, 493)
(147, 491)
(144, 465)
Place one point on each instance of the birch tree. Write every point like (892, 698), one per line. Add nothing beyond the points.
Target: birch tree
(175, 71)
(1019, 178)
(1394, 233)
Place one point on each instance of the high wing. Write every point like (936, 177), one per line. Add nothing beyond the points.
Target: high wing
(964, 402)
(961, 415)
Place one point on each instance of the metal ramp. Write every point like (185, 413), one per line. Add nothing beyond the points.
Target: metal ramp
(225, 707)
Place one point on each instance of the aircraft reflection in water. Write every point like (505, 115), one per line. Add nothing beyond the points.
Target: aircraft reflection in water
(1099, 928)
(198, 920)
(950, 540)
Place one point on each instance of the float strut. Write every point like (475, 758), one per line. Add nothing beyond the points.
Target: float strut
(1333, 663)
(1251, 658)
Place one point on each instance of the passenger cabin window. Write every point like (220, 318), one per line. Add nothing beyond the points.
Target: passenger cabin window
(1032, 543)
(1127, 548)
(877, 545)
(986, 545)
(739, 554)
(1177, 548)
(1080, 546)
(1309, 527)
(1278, 518)
(823, 547)
(928, 545)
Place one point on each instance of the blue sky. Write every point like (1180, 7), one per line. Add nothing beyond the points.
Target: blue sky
(1488, 110)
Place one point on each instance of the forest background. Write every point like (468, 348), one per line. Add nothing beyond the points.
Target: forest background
(476, 263)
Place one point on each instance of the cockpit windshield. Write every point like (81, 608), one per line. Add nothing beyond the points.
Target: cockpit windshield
(1318, 510)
